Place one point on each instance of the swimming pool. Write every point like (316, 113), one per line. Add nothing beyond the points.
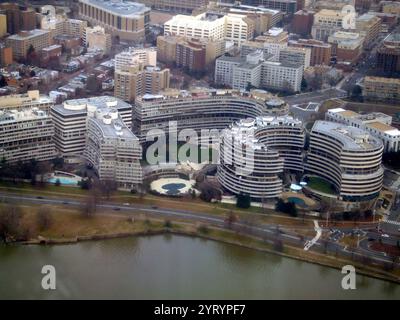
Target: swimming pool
(64, 181)
(298, 201)
(173, 188)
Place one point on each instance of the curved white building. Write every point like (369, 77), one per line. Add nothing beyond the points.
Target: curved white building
(254, 153)
(201, 109)
(348, 157)
(112, 149)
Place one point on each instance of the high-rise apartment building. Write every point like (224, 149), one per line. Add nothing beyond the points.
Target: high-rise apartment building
(388, 55)
(70, 121)
(296, 56)
(369, 26)
(134, 56)
(254, 153)
(348, 157)
(346, 46)
(26, 134)
(112, 149)
(138, 80)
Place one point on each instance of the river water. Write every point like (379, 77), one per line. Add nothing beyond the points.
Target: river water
(172, 267)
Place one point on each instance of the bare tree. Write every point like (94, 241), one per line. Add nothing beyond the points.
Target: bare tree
(10, 222)
(44, 218)
(89, 204)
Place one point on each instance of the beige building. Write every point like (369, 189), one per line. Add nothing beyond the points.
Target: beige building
(21, 42)
(369, 26)
(198, 53)
(327, 22)
(61, 25)
(26, 100)
(135, 81)
(124, 19)
(134, 56)
(230, 27)
(97, 38)
(391, 7)
(3, 25)
(381, 89)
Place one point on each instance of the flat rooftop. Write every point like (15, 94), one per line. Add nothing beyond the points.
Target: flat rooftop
(119, 7)
(380, 126)
(9, 116)
(352, 138)
(79, 106)
(24, 35)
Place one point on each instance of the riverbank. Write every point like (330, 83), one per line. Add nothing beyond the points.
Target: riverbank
(69, 227)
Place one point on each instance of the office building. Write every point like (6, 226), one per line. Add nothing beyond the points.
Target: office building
(123, 19)
(21, 42)
(26, 134)
(179, 6)
(31, 99)
(376, 123)
(230, 27)
(302, 22)
(368, 26)
(281, 76)
(381, 89)
(388, 55)
(134, 56)
(320, 51)
(286, 6)
(348, 157)
(327, 22)
(295, 56)
(97, 38)
(346, 46)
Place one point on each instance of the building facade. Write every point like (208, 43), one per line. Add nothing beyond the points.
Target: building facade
(376, 123)
(381, 89)
(124, 19)
(26, 134)
(254, 153)
(321, 52)
(70, 121)
(113, 150)
(138, 80)
(348, 157)
(201, 109)
(21, 42)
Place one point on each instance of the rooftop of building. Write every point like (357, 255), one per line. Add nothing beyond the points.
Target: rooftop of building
(383, 127)
(255, 94)
(393, 37)
(32, 96)
(331, 13)
(119, 7)
(81, 106)
(112, 126)
(245, 130)
(366, 17)
(9, 116)
(352, 138)
(25, 35)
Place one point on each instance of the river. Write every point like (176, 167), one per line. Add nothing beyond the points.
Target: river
(172, 267)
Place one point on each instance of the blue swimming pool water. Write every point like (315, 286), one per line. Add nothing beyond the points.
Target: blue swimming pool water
(297, 201)
(173, 188)
(64, 181)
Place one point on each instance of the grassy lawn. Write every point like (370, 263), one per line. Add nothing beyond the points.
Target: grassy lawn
(321, 185)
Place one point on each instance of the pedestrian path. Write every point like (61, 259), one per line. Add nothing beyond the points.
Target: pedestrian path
(310, 243)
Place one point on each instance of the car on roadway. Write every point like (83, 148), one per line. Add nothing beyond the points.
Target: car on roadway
(126, 204)
(385, 235)
(117, 208)
(154, 207)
